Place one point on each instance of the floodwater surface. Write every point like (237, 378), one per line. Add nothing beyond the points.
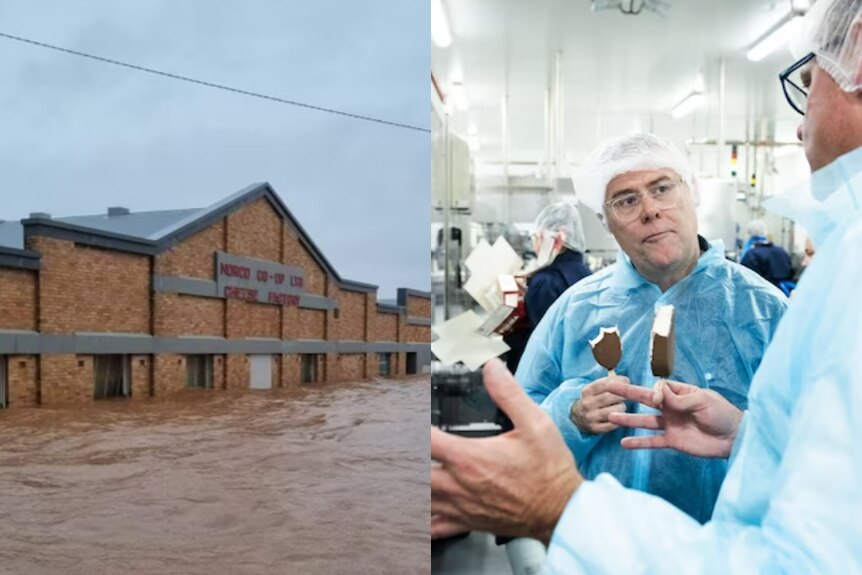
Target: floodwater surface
(319, 480)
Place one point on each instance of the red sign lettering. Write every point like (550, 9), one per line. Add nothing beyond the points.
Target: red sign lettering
(283, 298)
(234, 270)
(245, 294)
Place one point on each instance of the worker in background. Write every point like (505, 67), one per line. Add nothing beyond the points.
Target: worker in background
(756, 233)
(771, 262)
(792, 498)
(559, 243)
(644, 191)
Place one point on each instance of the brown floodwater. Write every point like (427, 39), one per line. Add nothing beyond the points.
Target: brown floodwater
(320, 480)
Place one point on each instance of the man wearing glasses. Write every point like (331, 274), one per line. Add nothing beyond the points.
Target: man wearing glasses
(643, 190)
(792, 498)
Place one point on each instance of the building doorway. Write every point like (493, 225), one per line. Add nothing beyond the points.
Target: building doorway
(199, 371)
(111, 375)
(261, 371)
(384, 368)
(308, 368)
(412, 363)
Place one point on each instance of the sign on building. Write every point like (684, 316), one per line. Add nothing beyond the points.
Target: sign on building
(262, 281)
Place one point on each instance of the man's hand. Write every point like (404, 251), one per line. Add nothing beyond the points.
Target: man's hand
(695, 421)
(590, 412)
(514, 484)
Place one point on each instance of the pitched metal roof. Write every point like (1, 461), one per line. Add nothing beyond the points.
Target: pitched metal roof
(139, 224)
(154, 232)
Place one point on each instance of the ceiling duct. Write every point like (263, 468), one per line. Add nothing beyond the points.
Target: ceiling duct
(632, 7)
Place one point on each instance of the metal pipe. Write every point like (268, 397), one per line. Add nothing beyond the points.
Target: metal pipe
(721, 117)
(558, 114)
(504, 125)
(447, 203)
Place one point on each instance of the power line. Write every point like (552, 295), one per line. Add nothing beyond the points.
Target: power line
(212, 84)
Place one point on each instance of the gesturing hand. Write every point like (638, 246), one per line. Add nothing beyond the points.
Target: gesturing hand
(590, 412)
(515, 484)
(695, 421)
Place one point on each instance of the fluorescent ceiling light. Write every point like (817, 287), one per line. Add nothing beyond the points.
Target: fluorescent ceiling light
(457, 96)
(687, 105)
(775, 38)
(439, 26)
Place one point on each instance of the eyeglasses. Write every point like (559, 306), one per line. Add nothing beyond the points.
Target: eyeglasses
(627, 206)
(794, 82)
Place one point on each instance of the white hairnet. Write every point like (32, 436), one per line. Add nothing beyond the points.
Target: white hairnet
(757, 228)
(563, 217)
(825, 31)
(638, 151)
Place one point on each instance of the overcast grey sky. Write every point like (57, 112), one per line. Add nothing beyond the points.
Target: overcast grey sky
(77, 136)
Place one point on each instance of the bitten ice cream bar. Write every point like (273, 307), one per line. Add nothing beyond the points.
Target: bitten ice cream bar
(607, 348)
(661, 354)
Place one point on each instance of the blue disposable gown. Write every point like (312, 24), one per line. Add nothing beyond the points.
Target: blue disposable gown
(725, 315)
(792, 500)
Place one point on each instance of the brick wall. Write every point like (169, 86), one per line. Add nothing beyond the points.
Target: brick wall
(194, 257)
(276, 371)
(290, 370)
(398, 364)
(370, 366)
(310, 324)
(17, 299)
(89, 289)
(21, 377)
(385, 327)
(350, 324)
(169, 373)
(219, 372)
(238, 371)
(252, 319)
(329, 372)
(178, 314)
(351, 367)
(66, 378)
(254, 231)
(416, 333)
(418, 306)
(141, 372)
(295, 254)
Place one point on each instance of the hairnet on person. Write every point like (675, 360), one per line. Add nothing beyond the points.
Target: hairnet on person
(757, 228)
(637, 151)
(825, 30)
(563, 217)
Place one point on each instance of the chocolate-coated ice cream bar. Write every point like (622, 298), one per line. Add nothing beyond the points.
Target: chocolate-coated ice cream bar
(661, 350)
(607, 348)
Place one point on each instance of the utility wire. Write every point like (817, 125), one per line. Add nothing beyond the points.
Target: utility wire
(213, 85)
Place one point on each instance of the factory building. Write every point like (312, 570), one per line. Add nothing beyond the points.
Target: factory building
(233, 296)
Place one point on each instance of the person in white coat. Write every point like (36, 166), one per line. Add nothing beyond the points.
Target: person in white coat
(792, 497)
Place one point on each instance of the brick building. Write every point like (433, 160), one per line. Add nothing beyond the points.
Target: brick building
(233, 296)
